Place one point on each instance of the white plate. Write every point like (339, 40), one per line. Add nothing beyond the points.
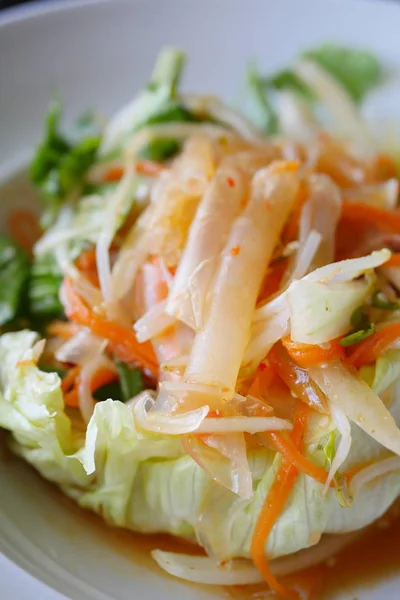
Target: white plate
(97, 54)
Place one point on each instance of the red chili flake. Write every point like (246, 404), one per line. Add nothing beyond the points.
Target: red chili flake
(231, 182)
(262, 366)
(235, 250)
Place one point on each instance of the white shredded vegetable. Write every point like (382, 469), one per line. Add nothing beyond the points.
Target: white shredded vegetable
(167, 424)
(372, 472)
(218, 347)
(343, 449)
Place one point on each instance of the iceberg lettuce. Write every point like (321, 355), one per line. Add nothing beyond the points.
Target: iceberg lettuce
(145, 482)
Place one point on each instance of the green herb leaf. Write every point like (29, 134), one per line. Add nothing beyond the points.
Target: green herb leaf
(131, 381)
(360, 319)
(111, 390)
(44, 286)
(379, 300)
(288, 80)
(14, 274)
(60, 164)
(357, 70)
(357, 336)
(160, 150)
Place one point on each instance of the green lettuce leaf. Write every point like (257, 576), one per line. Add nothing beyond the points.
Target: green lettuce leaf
(383, 373)
(146, 483)
(358, 71)
(14, 273)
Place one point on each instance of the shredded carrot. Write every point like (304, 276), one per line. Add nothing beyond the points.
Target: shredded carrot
(385, 167)
(273, 279)
(63, 329)
(387, 220)
(87, 260)
(275, 503)
(394, 260)
(292, 226)
(284, 445)
(69, 379)
(24, 228)
(150, 168)
(367, 351)
(87, 264)
(297, 379)
(263, 379)
(103, 376)
(307, 355)
(121, 339)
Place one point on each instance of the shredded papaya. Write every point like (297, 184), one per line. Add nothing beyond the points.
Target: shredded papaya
(308, 355)
(121, 339)
(367, 351)
(387, 220)
(275, 503)
(150, 168)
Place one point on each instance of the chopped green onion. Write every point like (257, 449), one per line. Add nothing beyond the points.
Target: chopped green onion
(379, 300)
(131, 381)
(14, 274)
(357, 336)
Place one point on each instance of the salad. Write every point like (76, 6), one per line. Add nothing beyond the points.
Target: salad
(201, 337)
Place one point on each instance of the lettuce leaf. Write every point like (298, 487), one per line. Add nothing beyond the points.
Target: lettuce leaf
(146, 483)
(383, 373)
(358, 71)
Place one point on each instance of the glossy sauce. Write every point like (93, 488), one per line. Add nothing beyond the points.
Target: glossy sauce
(371, 559)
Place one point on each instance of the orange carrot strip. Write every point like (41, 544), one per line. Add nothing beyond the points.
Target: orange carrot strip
(63, 329)
(285, 446)
(69, 379)
(273, 279)
(388, 220)
(292, 226)
(372, 347)
(24, 228)
(385, 167)
(143, 167)
(275, 503)
(87, 260)
(103, 376)
(308, 355)
(122, 340)
(297, 379)
(394, 260)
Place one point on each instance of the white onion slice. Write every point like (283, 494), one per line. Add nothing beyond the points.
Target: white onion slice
(167, 424)
(343, 449)
(343, 111)
(243, 424)
(202, 569)
(358, 402)
(153, 323)
(372, 472)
